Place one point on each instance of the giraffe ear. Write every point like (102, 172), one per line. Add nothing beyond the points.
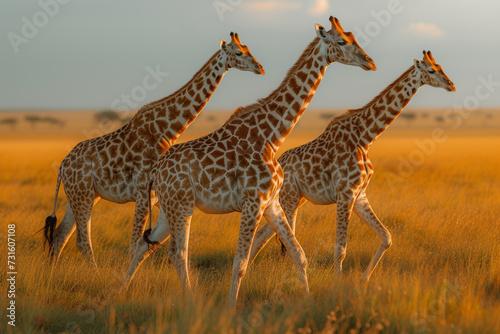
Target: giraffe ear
(223, 45)
(320, 31)
(416, 63)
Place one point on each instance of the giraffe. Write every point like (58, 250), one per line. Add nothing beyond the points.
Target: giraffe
(115, 166)
(234, 168)
(335, 167)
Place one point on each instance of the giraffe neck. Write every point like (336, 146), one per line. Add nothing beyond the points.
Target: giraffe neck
(275, 116)
(170, 116)
(376, 117)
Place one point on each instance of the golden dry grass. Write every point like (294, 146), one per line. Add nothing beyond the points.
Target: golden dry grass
(441, 275)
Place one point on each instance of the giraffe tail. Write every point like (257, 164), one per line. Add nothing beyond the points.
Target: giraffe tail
(283, 248)
(51, 221)
(147, 233)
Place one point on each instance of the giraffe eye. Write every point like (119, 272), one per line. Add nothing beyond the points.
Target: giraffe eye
(238, 53)
(342, 42)
(432, 71)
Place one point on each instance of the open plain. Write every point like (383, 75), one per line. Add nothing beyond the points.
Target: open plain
(436, 187)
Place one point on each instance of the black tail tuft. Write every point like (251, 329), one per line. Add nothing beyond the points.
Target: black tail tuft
(283, 248)
(48, 231)
(146, 235)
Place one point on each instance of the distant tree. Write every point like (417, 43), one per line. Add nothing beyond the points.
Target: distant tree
(53, 120)
(211, 118)
(107, 115)
(327, 115)
(450, 118)
(9, 121)
(439, 119)
(32, 119)
(410, 116)
(487, 117)
(425, 115)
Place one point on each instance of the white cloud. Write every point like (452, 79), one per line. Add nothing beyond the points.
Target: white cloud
(425, 29)
(319, 7)
(272, 5)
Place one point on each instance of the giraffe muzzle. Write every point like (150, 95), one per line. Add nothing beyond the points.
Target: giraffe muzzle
(451, 87)
(371, 64)
(260, 70)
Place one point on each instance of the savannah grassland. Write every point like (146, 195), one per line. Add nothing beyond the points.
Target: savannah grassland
(442, 274)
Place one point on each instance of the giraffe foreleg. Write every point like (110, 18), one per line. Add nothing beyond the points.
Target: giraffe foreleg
(364, 211)
(262, 237)
(276, 218)
(344, 209)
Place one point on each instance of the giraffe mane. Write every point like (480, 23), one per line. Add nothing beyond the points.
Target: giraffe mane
(351, 112)
(240, 111)
(163, 100)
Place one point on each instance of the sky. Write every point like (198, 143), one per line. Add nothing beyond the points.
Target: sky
(68, 54)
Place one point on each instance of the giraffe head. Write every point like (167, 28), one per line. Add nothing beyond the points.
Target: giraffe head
(342, 47)
(432, 74)
(239, 56)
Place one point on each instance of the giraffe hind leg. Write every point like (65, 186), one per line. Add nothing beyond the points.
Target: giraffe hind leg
(82, 197)
(159, 234)
(62, 233)
(262, 237)
(276, 217)
(290, 205)
(250, 216)
(83, 240)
